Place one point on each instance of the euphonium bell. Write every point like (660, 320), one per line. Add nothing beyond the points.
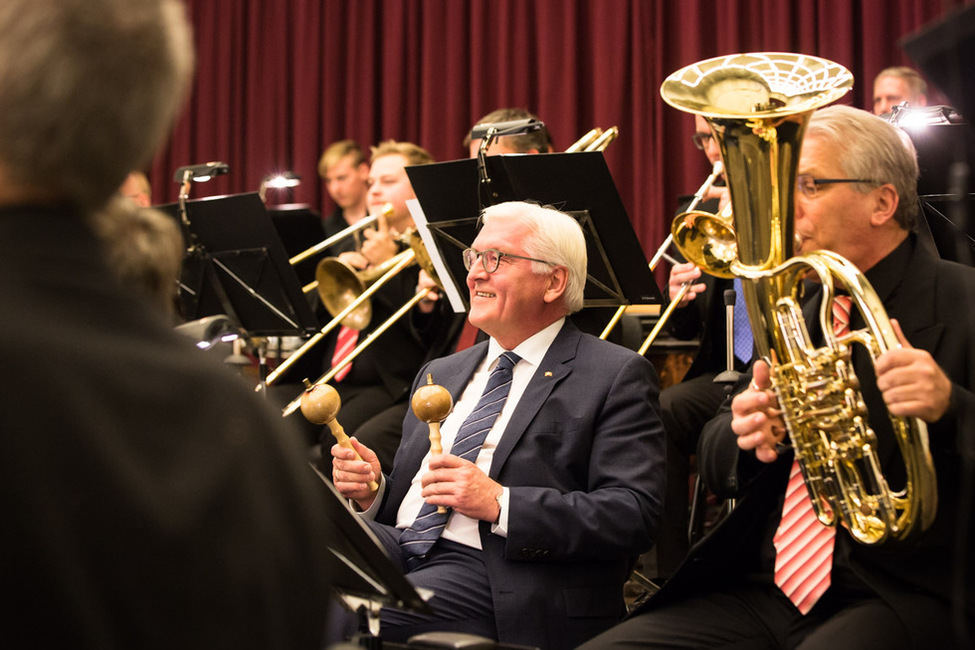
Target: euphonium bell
(757, 106)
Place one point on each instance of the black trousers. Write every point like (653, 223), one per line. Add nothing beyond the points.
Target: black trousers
(757, 616)
(462, 600)
(685, 408)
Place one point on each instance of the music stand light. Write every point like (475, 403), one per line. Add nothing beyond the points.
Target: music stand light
(278, 181)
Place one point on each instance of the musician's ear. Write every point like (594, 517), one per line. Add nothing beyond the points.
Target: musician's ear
(885, 202)
(557, 282)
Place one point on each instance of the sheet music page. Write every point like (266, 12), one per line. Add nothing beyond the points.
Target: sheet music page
(449, 287)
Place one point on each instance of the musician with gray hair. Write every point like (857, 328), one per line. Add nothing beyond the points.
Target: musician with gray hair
(555, 480)
(770, 575)
(149, 500)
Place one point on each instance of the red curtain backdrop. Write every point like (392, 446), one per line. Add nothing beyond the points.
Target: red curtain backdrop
(278, 81)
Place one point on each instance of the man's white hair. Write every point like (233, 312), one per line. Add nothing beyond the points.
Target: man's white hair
(554, 237)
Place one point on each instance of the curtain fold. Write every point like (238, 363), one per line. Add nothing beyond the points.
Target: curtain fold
(277, 82)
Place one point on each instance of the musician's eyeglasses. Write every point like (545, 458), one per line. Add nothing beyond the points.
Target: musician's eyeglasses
(491, 259)
(702, 140)
(809, 186)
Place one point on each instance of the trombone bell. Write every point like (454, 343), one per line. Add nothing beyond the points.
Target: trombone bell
(339, 285)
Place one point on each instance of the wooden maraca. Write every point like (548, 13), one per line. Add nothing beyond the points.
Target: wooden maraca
(431, 404)
(320, 404)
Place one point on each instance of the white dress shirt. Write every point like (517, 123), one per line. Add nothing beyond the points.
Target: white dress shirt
(460, 528)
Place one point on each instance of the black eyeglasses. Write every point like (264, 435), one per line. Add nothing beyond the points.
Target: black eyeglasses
(491, 258)
(809, 186)
(702, 140)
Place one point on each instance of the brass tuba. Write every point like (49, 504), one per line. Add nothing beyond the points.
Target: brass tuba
(757, 106)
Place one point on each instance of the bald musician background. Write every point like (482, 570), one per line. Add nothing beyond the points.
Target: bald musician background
(550, 510)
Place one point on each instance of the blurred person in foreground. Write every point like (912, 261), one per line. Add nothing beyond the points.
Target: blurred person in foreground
(152, 501)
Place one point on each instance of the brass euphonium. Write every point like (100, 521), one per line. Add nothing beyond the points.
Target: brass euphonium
(757, 106)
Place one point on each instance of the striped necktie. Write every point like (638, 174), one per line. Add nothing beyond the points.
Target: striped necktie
(744, 343)
(344, 345)
(417, 540)
(803, 546)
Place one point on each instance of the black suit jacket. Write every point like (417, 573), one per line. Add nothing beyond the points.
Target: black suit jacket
(583, 458)
(932, 299)
(151, 499)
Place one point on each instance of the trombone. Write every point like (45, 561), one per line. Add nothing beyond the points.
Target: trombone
(707, 240)
(375, 278)
(594, 140)
(417, 253)
(716, 171)
(361, 224)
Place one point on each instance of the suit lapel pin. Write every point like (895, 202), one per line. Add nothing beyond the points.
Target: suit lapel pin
(548, 373)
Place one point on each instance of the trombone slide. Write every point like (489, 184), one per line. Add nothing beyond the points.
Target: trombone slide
(716, 170)
(337, 237)
(404, 259)
(651, 337)
(296, 403)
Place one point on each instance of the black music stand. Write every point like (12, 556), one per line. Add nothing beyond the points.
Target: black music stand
(577, 183)
(945, 52)
(362, 573)
(237, 265)
(946, 213)
(300, 227)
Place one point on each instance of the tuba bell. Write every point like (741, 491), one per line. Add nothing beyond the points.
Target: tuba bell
(757, 106)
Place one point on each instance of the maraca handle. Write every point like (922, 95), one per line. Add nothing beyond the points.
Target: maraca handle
(436, 447)
(343, 440)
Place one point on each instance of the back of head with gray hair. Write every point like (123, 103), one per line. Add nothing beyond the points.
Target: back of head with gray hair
(554, 237)
(88, 90)
(871, 148)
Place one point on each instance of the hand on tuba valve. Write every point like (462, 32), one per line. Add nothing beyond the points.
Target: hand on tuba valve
(757, 418)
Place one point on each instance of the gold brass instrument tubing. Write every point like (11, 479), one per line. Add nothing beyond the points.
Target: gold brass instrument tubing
(416, 253)
(296, 403)
(603, 140)
(716, 170)
(361, 224)
(584, 141)
(401, 261)
(757, 106)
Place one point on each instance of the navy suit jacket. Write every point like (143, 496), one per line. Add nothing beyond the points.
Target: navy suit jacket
(583, 457)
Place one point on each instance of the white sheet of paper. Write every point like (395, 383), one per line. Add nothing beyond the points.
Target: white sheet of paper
(449, 288)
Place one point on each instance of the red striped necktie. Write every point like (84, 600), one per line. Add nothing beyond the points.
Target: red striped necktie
(804, 546)
(344, 345)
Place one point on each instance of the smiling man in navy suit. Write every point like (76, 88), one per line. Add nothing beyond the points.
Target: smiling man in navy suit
(564, 488)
